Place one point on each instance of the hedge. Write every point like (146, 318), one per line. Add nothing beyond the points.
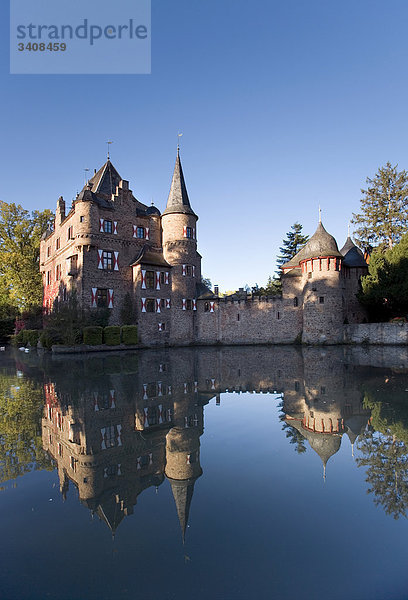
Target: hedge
(30, 336)
(111, 335)
(93, 335)
(129, 334)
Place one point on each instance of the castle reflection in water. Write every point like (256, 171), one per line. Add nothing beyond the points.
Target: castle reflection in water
(117, 425)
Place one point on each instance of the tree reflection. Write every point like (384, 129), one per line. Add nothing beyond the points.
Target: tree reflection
(21, 407)
(386, 459)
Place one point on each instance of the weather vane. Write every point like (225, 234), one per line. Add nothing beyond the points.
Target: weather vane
(178, 140)
(108, 144)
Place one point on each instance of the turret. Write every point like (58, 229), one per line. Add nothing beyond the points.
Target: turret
(179, 224)
(354, 267)
(320, 265)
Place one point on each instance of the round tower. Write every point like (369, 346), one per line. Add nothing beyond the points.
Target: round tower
(179, 226)
(183, 454)
(354, 267)
(323, 301)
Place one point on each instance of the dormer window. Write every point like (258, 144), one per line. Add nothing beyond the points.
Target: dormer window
(140, 233)
(189, 232)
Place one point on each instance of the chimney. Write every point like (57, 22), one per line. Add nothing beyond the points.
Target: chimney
(216, 290)
(60, 212)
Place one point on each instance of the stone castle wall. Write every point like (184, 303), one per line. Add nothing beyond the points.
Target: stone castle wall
(376, 333)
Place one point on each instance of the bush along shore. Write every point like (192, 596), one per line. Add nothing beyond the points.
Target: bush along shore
(87, 339)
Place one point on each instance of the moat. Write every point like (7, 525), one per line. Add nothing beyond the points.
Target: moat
(225, 473)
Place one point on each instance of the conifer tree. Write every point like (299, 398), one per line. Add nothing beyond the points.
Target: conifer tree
(384, 209)
(291, 245)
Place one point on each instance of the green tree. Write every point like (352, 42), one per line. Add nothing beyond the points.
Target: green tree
(385, 288)
(384, 209)
(127, 311)
(20, 236)
(291, 245)
(386, 460)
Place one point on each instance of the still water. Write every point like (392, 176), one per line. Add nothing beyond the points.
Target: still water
(225, 473)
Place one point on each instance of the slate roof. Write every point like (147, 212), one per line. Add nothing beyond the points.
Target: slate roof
(105, 180)
(178, 201)
(353, 257)
(183, 493)
(321, 244)
(203, 292)
(147, 256)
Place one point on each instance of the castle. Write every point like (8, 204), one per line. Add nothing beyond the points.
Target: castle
(110, 246)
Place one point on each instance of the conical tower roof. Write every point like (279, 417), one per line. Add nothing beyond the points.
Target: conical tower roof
(178, 201)
(353, 257)
(183, 493)
(324, 444)
(320, 245)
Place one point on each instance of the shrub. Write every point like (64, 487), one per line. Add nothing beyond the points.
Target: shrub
(93, 335)
(6, 328)
(129, 334)
(50, 337)
(17, 340)
(30, 336)
(111, 335)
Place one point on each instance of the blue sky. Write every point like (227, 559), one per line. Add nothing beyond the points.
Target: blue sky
(283, 106)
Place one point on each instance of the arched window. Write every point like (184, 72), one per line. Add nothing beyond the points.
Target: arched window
(295, 301)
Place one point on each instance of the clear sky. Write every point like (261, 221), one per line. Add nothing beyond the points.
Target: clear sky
(283, 106)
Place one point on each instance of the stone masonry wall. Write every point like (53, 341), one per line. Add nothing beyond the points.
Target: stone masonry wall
(386, 334)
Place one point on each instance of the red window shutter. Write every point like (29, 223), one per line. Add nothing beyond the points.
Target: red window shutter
(93, 297)
(158, 305)
(101, 221)
(193, 271)
(147, 233)
(143, 304)
(110, 298)
(115, 261)
(212, 306)
(184, 304)
(167, 302)
(194, 305)
(100, 259)
(143, 274)
(157, 280)
(134, 231)
(185, 231)
(184, 270)
(115, 227)
(166, 278)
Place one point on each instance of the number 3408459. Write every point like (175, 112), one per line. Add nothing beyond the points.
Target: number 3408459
(42, 47)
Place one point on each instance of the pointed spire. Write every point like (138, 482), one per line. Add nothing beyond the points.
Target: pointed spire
(178, 201)
(183, 493)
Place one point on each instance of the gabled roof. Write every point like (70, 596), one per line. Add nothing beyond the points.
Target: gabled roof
(178, 201)
(106, 180)
(320, 245)
(148, 256)
(353, 257)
